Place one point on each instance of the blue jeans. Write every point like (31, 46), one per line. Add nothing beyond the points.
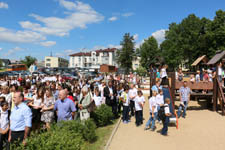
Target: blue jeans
(151, 120)
(184, 109)
(165, 125)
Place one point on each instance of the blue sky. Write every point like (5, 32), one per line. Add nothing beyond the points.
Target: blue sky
(37, 27)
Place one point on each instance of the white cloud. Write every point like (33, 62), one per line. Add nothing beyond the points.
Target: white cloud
(135, 37)
(128, 14)
(48, 43)
(4, 5)
(159, 35)
(113, 18)
(67, 4)
(13, 51)
(0, 48)
(7, 35)
(65, 53)
(137, 45)
(79, 16)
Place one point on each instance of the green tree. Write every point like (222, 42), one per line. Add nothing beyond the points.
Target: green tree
(126, 55)
(0, 63)
(149, 52)
(29, 60)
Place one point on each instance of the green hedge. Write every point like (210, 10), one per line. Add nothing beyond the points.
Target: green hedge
(102, 115)
(69, 135)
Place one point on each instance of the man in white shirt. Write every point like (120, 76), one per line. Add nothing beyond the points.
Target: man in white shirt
(132, 94)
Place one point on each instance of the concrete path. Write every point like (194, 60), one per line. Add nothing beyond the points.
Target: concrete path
(202, 129)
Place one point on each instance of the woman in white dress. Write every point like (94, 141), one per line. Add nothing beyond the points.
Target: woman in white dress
(37, 105)
(47, 115)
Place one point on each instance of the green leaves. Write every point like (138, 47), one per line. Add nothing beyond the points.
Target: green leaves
(126, 55)
(66, 135)
(29, 60)
(103, 115)
(192, 38)
(149, 52)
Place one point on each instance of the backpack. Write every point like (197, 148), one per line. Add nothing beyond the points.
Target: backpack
(161, 113)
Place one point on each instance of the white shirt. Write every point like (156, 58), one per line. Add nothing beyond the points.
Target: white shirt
(197, 78)
(152, 103)
(98, 100)
(166, 109)
(125, 98)
(37, 102)
(4, 119)
(111, 92)
(138, 102)
(159, 100)
(132, 93)
(220, 71)
(163, 73)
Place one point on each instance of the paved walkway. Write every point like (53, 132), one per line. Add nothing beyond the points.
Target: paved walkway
(202, 129)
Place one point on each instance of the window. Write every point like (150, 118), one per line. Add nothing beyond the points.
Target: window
(48, 65)
(106, 58)
(93, 59)
(79, 59)
(48, 59)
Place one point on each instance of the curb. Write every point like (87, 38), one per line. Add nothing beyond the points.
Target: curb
(112, 134)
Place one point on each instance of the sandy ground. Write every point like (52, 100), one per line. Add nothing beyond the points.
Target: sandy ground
(201, 130)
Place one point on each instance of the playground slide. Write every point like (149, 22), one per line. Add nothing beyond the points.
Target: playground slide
(173, 118)
(166, 94)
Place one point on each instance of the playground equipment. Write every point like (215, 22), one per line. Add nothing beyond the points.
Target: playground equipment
(215, 91)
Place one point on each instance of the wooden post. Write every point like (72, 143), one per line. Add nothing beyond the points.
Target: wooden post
(151, 80)
(215, 91)
(173, 84)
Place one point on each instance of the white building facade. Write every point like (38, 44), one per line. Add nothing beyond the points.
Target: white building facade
(93, 59)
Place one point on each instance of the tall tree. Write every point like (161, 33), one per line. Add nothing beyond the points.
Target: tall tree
(126, 55)
(149, 52)
(29, 60)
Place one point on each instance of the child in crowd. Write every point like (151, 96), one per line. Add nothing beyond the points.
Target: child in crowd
(153, 112)
(192, 78)
(97, 97)
(159, 101)
(167, 115)
(197, 76)
(139, 103)
(4, 124)
(125, 99)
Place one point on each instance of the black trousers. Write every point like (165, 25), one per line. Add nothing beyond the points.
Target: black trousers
(114, 110)
(17, 136)
(132, 107)
(125, 113)
(120, 104)
(138, 117)
(4, 139)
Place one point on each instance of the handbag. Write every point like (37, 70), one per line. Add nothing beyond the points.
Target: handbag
(91, 106)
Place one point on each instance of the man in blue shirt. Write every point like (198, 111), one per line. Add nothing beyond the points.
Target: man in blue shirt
(20, 120)
(64, 107)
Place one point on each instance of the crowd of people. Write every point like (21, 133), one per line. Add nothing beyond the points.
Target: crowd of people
(31, 103)
(34, 102)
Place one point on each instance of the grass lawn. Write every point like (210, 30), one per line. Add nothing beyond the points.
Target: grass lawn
(103, 135)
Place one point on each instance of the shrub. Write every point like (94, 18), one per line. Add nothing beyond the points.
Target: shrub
(66, 135)
(103, 115)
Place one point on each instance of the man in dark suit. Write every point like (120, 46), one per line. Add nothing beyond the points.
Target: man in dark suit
(110, 93)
